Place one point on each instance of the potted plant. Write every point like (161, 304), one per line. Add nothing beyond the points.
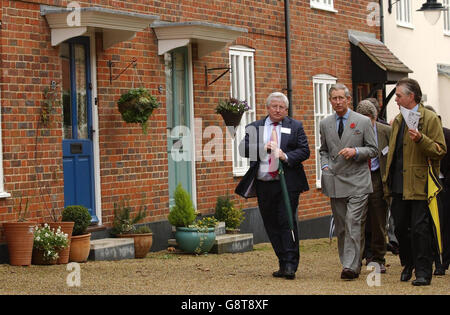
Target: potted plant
(126, 226)
(207, 235)
(80, 244)
(228, 213)
(47, 244)
(136, 106)
(232, 110)
(19, 237)
(182, 215)
(56, 223)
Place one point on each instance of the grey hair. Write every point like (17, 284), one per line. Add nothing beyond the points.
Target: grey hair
(374, 101)
(339, 86)
(366, 108)
(411, 86)
(279, 96)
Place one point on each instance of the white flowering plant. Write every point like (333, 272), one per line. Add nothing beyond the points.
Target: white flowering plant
(49, 241)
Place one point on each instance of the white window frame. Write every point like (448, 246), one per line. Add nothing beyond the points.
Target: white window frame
(403, 13)
(446, 14)
(322, 108)
(242, 87)
(3, 193)
(326, 5)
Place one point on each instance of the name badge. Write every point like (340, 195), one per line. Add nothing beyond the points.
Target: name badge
(385, 150)
(286, 130)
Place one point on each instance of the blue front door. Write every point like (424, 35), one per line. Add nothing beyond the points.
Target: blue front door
(77, 125)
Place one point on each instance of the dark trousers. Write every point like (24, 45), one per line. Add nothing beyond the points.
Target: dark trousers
(375, 230)
(413, 230)
(273, 211)
(444, 218)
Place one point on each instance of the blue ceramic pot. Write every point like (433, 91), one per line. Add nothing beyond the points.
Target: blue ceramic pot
(191, 240)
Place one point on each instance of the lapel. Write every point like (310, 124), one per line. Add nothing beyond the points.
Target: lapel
(286, 123)
(351, 121)
(381, 133)
(332, 130)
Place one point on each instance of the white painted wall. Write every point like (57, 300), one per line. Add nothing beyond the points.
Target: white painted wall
(421, 48)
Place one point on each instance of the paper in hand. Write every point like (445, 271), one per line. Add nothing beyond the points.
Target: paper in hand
(411, 118)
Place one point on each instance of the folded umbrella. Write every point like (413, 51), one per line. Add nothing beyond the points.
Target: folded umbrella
(287, 202)
(434, 187)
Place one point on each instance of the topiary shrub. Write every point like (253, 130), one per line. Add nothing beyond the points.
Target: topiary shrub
(78, 214)
(228, 213)
(183, 212)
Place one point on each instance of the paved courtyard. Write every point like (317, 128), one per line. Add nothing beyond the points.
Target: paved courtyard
(247, 273)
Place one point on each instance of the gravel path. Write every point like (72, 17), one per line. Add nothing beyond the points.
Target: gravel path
(227, 274)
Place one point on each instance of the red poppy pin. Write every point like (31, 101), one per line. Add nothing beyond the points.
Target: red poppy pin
(352, 125)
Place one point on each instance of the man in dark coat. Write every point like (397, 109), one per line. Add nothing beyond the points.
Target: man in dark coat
(276, 139)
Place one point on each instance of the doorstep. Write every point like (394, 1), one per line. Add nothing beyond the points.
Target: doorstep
(112, 249)
(228, 243)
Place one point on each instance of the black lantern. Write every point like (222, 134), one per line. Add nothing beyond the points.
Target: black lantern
(432, 11)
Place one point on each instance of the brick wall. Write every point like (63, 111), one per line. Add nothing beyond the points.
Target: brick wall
(133, 164)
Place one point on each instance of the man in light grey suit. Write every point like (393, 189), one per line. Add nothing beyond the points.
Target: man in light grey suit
(347, 142)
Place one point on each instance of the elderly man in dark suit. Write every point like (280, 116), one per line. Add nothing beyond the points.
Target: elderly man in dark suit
(276, 139)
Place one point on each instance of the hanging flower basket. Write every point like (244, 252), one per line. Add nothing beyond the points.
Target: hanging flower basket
(232, 119)
(232, 110)
(136, 106)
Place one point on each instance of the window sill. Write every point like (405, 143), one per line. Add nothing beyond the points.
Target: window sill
(4, 194)
(447, 33)
(239, 173)
(405, 25)
(324, 8)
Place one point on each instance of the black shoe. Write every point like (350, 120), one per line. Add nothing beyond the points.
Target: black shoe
(348, 274)
(421, 281)
(278, 274)
(406, 273)
(439, 271)
(289, 274)
(392, 247)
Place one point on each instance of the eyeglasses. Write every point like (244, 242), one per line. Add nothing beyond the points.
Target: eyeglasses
(278, 107)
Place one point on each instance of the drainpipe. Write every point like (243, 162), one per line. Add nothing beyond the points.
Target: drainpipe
(381, 22)
(288, 55)
(383, 105)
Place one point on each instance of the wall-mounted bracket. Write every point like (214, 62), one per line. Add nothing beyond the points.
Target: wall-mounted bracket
(110, 65)
(213, 69)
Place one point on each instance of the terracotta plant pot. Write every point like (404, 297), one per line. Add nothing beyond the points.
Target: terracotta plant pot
(38, 258)
(142, 243)
(80, 246)
(19, 236)
(67, 228)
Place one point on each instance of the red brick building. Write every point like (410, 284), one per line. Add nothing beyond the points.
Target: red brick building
(85, 150)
